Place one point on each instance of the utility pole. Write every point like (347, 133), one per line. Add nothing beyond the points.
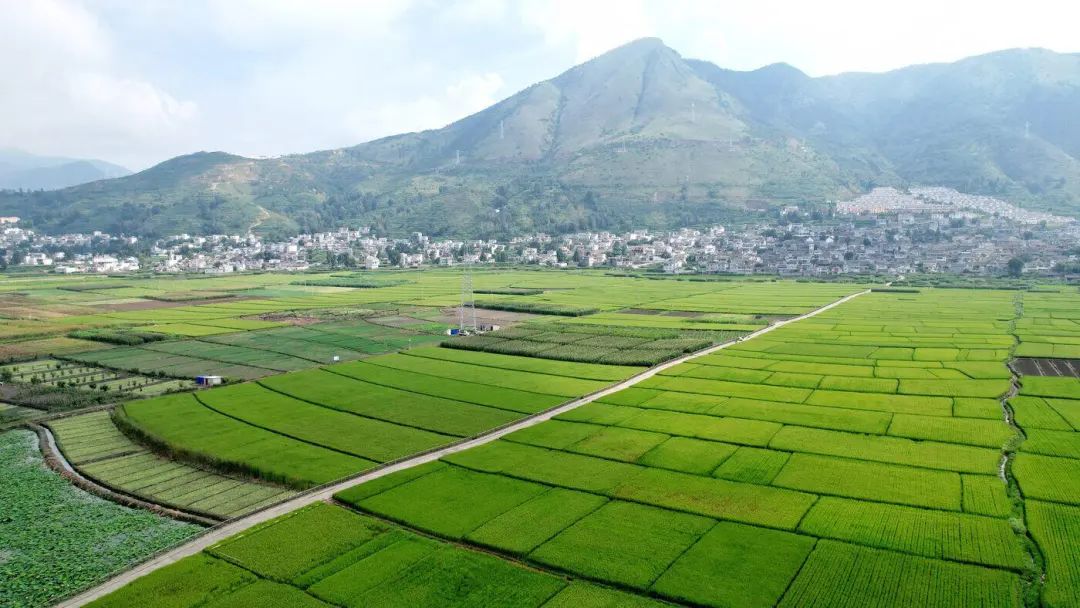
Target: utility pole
(467, 312)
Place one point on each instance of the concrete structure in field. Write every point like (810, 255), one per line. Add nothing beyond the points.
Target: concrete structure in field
(208, 380)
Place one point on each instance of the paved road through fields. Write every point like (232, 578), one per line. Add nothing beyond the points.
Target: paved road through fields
(220, 533)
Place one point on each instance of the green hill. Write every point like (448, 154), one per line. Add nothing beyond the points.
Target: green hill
(636, 137)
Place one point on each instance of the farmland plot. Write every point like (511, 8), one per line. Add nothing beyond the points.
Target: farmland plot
(311, 427)
(850, 459)
(245, 351)
(349, 560)
(1048, 472)
(57, 539)
(93, 444)
(849, 446)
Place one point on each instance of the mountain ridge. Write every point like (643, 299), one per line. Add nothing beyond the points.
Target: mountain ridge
(636, 137)
(21, 170)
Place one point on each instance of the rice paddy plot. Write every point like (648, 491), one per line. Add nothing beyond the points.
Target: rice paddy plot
(871, 481)
(1048, 478)
(247, 350)
(98, 450)
(349, 560)
(931, 533)
(623, 543)
(1056, 528)
(343, 420)
(190, 431)
(378, 402)
(341, 432)
(736, 565)
(841, 575)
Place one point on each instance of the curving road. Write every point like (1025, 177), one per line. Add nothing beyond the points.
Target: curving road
(219, 533)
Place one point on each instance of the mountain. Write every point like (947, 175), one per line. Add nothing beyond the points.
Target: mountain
(637, 137)
(24, 171)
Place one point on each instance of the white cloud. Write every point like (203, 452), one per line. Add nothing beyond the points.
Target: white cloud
(590, 27)
(261, 23)
(466, 96)
(475, 92)
(144, 107)
(63, 91)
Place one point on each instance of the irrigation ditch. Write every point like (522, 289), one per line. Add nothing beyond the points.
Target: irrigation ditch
(1035, 577)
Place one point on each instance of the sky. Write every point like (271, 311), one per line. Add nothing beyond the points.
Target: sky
(139, 81)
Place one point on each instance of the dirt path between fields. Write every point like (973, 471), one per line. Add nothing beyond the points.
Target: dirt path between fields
(232, 527)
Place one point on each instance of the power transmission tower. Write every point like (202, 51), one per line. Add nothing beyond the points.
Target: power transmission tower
(467, 312)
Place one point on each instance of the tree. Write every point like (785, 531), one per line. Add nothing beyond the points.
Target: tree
(1015, 267)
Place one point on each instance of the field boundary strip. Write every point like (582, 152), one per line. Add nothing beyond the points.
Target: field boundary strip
(325, 493)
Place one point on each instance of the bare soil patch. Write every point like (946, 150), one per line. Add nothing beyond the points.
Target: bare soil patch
(486, 316)
(1032, 366)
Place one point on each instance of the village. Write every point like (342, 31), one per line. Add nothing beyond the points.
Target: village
(886, 231)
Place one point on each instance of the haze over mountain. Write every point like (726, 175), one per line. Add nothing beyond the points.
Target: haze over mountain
(638, 137)
(24, 171)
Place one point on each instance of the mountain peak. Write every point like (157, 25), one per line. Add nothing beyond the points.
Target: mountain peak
(648, 42)
(784, 70)
(641, 47)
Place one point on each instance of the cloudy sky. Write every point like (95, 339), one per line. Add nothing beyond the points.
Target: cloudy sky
(139, 81)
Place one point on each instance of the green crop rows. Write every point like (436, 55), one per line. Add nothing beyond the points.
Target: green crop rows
(311, 427)
(338, 558)
(240, 354)
(853, 458)
(93, 444)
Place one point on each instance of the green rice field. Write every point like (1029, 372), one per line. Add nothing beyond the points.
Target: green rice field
(880, 453)
(99, 451)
